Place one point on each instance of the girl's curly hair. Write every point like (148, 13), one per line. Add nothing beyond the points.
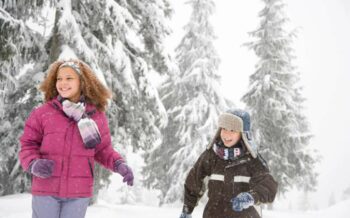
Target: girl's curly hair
(93, 90)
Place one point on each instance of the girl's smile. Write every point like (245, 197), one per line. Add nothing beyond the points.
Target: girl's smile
(68, 84)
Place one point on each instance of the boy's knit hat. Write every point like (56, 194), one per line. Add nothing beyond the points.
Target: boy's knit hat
(231, 122)
(239, 121)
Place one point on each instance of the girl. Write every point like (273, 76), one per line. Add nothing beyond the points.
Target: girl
(62, 139)
(239, 179)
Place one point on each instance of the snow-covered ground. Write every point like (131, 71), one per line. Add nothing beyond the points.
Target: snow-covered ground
(18, 206)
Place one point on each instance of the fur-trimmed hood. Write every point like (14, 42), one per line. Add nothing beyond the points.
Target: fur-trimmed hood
(237, 120)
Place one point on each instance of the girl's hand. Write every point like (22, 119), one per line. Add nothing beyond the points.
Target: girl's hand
(125, 171)
(42, 168)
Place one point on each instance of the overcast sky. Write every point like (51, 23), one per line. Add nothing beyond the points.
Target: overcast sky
(323, 54)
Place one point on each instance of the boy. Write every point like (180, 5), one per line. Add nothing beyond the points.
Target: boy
(239, 178)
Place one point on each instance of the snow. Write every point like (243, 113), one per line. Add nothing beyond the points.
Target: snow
(45, 23)
(67, 54)
(24, 70)
(19, 206)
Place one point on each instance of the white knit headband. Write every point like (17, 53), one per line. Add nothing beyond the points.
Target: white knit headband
(72, 65)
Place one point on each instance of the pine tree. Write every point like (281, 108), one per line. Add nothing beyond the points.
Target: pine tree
(276, 103)
(111, 37)
(152, 16)
(19, 47)
(193, 103)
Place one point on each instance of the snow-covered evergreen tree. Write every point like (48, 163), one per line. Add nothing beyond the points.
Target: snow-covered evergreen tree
(191, 97)
(154, 15)
(276, 104)
(114, 38)
(19, 47)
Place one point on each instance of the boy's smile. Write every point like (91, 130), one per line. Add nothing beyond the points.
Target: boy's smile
(229, 138)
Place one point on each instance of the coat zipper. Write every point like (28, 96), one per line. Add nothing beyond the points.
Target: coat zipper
(69, 157)
(238, 162)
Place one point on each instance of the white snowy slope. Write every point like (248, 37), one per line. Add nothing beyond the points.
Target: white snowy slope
(18, 206)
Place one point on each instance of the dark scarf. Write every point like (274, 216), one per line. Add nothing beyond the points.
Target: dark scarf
(231, 153)
(87, 127)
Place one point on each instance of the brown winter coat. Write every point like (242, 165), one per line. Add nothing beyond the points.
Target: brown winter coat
(226, 180)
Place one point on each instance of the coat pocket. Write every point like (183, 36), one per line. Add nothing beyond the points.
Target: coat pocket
(80, 166)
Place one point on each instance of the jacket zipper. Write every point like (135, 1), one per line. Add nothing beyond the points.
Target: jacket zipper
(238, 162)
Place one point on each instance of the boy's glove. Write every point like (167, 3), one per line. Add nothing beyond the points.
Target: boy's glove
(185, 215)
(42, 168)
(124, 170)
(243, 201)
(186, 212)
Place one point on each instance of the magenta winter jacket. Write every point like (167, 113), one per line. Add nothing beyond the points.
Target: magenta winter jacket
(50, 134)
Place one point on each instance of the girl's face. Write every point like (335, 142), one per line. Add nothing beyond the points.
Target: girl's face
(68, 84)
(230, 138)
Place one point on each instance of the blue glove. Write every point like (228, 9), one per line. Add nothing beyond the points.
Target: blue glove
(185, 215)
(186, 212)
(242, 201)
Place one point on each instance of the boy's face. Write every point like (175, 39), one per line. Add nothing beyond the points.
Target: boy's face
(230, 138)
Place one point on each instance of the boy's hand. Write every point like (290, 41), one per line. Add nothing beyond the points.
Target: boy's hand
(185, 215)
(243, 201)
(186, 212)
